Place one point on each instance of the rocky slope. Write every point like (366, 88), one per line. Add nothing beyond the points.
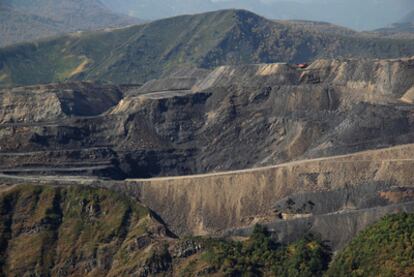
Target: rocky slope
(140, 53)
(226, 119)
(71, 231)
(336, 197)
(56, 102)
(188, 123)
(22, 20)
(79, 231)
(325, 149)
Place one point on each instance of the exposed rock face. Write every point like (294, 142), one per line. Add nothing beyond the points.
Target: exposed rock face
(28, 112)
(336, 197)
(302, 191)
(45, 103)
(226, 119)
(234, 117)
(342, 224)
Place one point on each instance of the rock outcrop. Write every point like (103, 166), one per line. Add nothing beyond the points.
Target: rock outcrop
(54, 102)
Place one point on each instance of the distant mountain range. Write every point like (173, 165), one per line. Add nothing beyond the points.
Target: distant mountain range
(356, 14)
(28, 20)
(403, 28)
(139, 53)
(25, 20)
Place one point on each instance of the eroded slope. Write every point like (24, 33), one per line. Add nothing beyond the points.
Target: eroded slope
(294, 198)
(197, 121)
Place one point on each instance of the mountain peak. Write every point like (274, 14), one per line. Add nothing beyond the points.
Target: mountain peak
(240, 14)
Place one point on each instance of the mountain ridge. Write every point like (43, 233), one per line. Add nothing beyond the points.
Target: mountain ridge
(353, 14)
(139, 53)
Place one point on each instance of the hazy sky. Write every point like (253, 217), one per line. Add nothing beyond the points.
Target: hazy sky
(356, 14)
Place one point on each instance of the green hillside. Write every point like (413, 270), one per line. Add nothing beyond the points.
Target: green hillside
(16, 26)
(50, 231)
(258, 256)
(384, 249)
(139, 53)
